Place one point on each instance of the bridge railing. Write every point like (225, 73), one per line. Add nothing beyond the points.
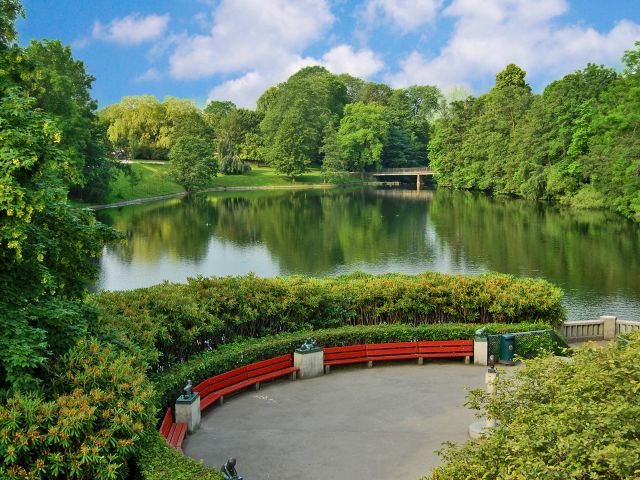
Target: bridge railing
(406, 170)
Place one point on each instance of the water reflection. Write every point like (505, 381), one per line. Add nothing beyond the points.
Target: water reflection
(592, 255)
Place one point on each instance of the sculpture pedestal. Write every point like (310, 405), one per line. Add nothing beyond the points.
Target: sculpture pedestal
(188, 411)
(480, 353)
(310, 362)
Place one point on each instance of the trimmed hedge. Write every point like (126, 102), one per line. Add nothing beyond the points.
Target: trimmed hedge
(169, 384)
(156, 460)
(174, 321)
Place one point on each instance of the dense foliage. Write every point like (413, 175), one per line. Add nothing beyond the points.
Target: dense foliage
(559, 419)
(232, 355)
(156, 460)
(48, 251)
(576, 143)
(176, 320)
(100, 404)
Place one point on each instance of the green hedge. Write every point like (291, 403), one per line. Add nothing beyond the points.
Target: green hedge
(156, 460)
(169, 384)
(174, 321)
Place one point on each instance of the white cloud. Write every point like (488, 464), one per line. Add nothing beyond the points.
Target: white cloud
(150, 75)
(493, 33)
(343, 59)
(244, 90)
(408, 15)
(261, 43)
(133, 29)
(251, 34)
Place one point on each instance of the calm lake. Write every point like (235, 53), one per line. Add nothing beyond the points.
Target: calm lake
(593, 256)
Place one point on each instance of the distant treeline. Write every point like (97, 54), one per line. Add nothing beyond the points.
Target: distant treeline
(339, 122)
(577, 143)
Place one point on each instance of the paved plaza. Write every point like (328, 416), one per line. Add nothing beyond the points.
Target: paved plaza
(355, 423)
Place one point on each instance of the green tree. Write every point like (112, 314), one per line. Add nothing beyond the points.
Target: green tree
(297, 114)
(61, 87)
(411, 111)
(182, 118)
(192, 163)
(10, 10)
(135, 124)
(613, 159)
(216, 111)
(362, 135)
(48, 250)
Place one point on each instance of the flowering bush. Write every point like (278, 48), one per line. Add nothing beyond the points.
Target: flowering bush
(87, 427)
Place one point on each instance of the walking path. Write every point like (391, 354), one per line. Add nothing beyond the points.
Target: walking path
(355, 423)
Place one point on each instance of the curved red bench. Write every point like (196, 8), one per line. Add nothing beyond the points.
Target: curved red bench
(173, 433)
(374, 352)
(215, 388)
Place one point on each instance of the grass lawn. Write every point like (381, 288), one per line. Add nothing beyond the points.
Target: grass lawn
(151, 180)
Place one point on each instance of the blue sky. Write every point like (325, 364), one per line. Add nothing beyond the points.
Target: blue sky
(235, 49)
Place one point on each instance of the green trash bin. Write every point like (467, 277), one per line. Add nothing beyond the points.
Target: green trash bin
(507, 348)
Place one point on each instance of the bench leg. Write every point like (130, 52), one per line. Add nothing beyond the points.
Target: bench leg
(294, 375)
(221, 401)
(256, 386)
(327, 369)
(467, 360)
(370, 364)
(420, 361)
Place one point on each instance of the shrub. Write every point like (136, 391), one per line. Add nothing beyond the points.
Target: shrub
(174, 321)
(101, 401)
(169, 384)
(156, 460)
(559, 419)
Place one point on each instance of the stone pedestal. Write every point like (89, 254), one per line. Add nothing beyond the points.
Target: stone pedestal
(480, 351)
(310, 362)
(609, 326)
(188, 411)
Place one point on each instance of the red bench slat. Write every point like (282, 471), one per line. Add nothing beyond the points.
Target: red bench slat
(221, 377)
(178, 432)
(348, 354)
(389, 351)
(165, 427)
(173, 433)
(346, 360)
(444, 355)
(223, 384)
(216, 387)
(445, 343)
(397, 351)
(279, 373)
(265, 363)
(268, 369)
(331, 356)
(209, 399)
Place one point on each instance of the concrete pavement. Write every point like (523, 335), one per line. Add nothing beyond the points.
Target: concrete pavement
(355, 423)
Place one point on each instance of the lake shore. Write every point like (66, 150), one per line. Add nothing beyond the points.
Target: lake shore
(151, 182)
(138, 201)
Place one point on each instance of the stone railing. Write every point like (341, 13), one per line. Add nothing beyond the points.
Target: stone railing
(626, 326)
(605, 328)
